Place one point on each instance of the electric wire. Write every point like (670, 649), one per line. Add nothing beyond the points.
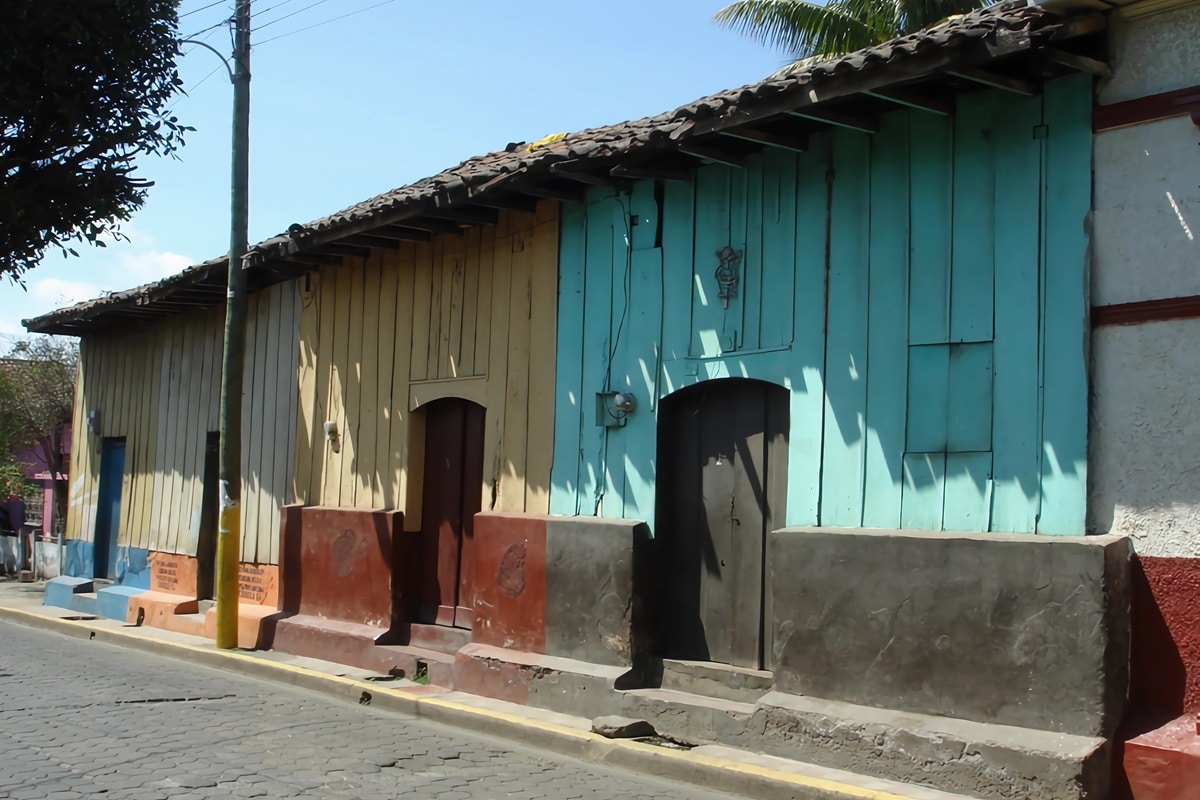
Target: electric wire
(321, 24)
(272, 8)
(202, 8)
(269, 23)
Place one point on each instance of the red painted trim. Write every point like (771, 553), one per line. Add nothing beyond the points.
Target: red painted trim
(1146, 311)
(1148, 109)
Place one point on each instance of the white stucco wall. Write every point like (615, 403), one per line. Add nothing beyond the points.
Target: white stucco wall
(1153, 54)
(1144, 438)
(1145, 432)
(1146, 222)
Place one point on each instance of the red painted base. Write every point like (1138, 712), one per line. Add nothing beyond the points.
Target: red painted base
(1164, 764)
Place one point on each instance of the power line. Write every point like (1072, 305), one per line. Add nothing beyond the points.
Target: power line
(294, 13)
(210, 28)
(202, 8)
(321, 24)
(277, 5)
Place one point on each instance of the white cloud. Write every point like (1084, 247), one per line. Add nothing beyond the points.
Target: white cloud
(150, 265)
(49, 293)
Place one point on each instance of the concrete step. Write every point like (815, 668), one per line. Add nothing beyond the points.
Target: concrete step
(60, 590)
(417, 664)
(531, 679)
(205, 605)
(438, 637)
(716, 680)
(85, 603)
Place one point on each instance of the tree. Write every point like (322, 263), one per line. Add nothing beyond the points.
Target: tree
(804, 30)
(37, 396)
(85, 89)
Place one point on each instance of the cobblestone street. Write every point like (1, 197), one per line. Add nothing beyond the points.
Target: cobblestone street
(82, 719)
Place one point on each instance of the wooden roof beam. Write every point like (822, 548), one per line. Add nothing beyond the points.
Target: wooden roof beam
(571, 172)
(466, 215)
(839, 119)
(797, 144)
(510, 202)
(647, 172)
(706, 152)
(565, 195)
(345, 250)
(942, 106)
(432, 226)
(373, 240)
(995, 81)
(404, 233)
(1091, 66)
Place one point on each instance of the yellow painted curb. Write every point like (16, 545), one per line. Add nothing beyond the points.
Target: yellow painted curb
(698, 769)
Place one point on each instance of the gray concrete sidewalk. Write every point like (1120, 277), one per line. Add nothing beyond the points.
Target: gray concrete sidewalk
(712, 767)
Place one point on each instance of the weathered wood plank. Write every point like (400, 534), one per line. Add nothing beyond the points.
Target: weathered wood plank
(516, 399)
(806, 371)
(969, 403)
(977, 210)
(779, 195)
(924, 491)
(422, 302)
(846, 344)
(931, 183)
(495, 441)
(605, 229)
(968, 503)
(887, 318)
(679, 204)
(397, 484)
(569, 399)
(928, 394)
(470, 304)
(542, 366)
(306, 408)
(1067, 202)
(1016, 437)
(712, 234)
(366, 467)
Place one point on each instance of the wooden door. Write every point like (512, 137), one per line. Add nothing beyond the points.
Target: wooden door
(721, 487)
(451, 496)
(108, 511)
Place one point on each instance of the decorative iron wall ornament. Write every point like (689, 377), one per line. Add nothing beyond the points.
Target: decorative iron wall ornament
(728, 273)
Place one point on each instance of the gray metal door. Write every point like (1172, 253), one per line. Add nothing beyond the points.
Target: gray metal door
(721, 487)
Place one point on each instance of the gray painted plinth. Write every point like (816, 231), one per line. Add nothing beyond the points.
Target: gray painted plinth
(590, 610)
(1022, 630)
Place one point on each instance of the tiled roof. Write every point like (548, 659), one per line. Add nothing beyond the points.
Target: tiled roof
(969, 40)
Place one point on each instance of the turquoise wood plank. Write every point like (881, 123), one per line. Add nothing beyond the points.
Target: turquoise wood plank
(924, 489)
(806, 367)
(1067, 201)
(618, 372)
(751, 287)
(641, 378)
(734, 321)
(969, 409)
(678, 217)
(605, 229)
(1016, 438)
(779, 196)
(928, 394)
(712, 233)
(643, 215)
(968, 502)
(930, 185)
(569, 399)
(887, 319)
(973, 265)
(846, 344)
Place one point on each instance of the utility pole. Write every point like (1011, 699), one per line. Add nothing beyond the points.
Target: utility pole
(229, 538)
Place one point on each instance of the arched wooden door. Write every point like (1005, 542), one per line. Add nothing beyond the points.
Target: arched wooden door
(451, 493)
(722, 485)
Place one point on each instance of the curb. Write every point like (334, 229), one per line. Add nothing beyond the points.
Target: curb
(696, 769)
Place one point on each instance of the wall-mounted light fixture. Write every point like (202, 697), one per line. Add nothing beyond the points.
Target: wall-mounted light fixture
(331, 431)
(612, 408)
(93, 421)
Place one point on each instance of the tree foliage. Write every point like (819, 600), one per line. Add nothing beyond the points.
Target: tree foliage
(804, 30)
(85, 87)
(37, 396)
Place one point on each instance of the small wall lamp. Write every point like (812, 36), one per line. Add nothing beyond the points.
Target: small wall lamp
(613, 407)
(331, 431)
(93, 421)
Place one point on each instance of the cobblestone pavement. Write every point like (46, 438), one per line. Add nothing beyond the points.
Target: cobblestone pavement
(82, 719)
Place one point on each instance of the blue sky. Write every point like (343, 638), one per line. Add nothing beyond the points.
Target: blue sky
(365, 104)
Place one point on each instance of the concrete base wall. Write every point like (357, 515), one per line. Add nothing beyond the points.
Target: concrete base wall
(1010, 629)
(348, 564)
(558, 586)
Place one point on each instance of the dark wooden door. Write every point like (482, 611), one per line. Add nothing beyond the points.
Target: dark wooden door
(451, 495)
(721, 487)
(206, 546)
(108, 511)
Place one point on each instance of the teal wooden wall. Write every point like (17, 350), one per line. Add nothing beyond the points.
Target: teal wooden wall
(922, 292)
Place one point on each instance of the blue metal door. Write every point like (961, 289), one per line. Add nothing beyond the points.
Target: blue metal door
(108, 510)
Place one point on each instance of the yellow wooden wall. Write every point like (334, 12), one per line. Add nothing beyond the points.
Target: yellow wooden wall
(159, 387)
(469, 316)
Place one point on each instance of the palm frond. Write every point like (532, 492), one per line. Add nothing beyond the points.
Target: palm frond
(796, 27)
